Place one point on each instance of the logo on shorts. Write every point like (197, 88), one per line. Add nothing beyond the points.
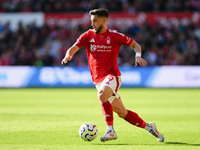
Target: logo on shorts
(109, 78)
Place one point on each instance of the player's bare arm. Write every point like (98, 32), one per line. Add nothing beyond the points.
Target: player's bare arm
(138, 51)
(69, 54)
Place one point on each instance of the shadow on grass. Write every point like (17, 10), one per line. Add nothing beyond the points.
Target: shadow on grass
(181, 143)
(169, 143)
(124, 144)
(113, 144)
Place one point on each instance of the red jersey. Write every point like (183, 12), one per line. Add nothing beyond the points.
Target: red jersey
(102, 52)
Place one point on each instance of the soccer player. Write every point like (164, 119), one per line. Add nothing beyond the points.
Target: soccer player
(102, 47)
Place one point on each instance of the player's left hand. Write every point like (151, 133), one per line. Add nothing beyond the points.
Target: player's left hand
(66, 59)
(140, 61)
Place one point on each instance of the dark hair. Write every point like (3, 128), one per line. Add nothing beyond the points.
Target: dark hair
(101, 12)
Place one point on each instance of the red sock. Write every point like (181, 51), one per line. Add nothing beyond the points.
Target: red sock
(134, 119)
(108, 113)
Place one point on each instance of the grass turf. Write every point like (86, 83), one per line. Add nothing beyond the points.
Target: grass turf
(49, 119)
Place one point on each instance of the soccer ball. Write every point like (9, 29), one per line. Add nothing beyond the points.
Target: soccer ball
(88, 131)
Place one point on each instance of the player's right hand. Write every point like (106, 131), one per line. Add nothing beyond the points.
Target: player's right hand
(66, 59)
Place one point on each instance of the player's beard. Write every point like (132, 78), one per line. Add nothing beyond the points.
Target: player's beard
(99, 29)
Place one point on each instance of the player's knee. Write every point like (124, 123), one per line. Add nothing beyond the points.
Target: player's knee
(102, 96)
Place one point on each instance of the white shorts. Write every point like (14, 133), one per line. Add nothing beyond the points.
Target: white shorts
(114, 82)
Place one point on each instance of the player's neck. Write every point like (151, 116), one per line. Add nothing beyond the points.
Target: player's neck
(103, 30)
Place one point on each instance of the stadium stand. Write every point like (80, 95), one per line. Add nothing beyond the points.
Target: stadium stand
(112, 5)
(174, 42)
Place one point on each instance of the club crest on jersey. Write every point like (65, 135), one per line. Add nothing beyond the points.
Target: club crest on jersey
(108, 40)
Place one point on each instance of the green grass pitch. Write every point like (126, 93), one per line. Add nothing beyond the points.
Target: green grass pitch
(49, 119)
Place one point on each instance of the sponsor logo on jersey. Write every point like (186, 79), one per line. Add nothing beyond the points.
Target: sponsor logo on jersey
(92, 40)
(93, 48)
(100, 48)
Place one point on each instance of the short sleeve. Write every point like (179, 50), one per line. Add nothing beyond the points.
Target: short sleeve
(82, 40)
(124, 40)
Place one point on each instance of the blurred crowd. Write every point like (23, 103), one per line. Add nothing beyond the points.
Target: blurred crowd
(130, 6)
(165, 43)
(168, 42)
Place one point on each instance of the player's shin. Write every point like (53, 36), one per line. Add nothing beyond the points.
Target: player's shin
(108, 114)
(134, 119)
